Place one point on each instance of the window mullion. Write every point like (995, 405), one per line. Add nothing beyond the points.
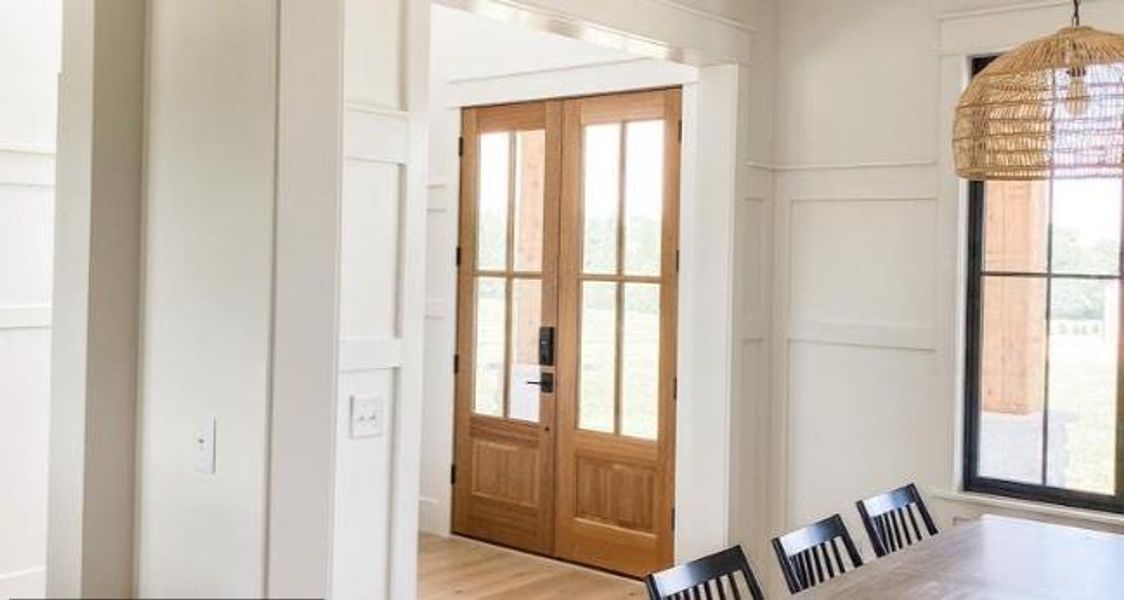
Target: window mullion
(1120, 363)
(1049, 311)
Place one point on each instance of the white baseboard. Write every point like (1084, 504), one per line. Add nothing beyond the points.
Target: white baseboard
(27, 583)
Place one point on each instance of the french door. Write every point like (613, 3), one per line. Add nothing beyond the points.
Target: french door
(567, 302)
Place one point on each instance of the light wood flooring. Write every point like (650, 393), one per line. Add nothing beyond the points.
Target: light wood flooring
(465, 569)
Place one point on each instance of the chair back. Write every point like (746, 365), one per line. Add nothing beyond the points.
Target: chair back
(709, 578)
(891, 521)
(811, 556)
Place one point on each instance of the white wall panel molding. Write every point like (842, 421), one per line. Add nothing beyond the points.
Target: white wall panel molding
(753, 250)
(405, 465)
(26, 167)
(375, 136)
(844, 166)
(9, 148)
(25, 583)
(374, 107)
(439, 198)
(842, 199)
(913, 181)
(822, 313)
(866, 334)
(755, 330)
(370, 354)
(25, 317)
(761, 183)
(437, 308)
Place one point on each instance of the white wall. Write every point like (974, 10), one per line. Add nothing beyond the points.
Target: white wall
(381, 297)
(29, 40)
(243, 304)
(869, 245)
(382, 273)
(208, 296)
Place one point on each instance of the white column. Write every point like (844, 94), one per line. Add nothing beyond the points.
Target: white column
(303, 421)
(96, 299)
(706, 390)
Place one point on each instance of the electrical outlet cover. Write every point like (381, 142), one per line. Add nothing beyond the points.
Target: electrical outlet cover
(368, 415)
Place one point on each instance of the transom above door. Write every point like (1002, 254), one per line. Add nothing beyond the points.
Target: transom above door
(566, 328)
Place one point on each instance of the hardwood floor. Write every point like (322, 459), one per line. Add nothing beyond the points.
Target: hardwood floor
(465, 569)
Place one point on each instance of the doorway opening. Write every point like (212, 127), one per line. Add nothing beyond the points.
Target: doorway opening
(527, 91)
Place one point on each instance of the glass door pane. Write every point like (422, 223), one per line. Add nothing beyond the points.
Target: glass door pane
(601, 197)
(640, 361)
(526, 318)
(643, 205)
(493, 196)
(598, 371)
(491, 309)
(509, 259)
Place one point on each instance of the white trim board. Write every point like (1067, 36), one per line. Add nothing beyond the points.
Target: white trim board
(36, 316)
(602, 78)
(24, 583)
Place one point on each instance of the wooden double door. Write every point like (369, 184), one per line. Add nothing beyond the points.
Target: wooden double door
(566, 343)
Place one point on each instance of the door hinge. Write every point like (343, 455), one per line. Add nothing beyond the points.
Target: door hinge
(456, 363)
(680, 130)
(674, 388)
(460, 146)
(677, 261)
(673, 519)
(458, 256)
(452, 474)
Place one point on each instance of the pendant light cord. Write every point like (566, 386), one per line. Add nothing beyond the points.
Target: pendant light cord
(1076, 13)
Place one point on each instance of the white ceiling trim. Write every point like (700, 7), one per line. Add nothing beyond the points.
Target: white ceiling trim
(706, 14)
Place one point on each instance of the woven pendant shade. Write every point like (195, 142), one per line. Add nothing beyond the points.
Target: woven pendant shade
(1049, 109)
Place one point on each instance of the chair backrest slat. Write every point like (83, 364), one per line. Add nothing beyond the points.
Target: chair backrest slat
(708, 578)
(811, 556)
(890, 521)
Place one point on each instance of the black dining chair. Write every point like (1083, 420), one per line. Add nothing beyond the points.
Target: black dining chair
(890, 519)
(811, 556)
(709, 578)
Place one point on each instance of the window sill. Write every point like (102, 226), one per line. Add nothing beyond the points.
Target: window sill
(1039, 509)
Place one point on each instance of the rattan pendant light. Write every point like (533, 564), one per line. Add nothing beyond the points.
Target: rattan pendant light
(1052, 108)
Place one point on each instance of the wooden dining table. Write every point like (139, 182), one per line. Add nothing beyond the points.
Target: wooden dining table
(992, 558)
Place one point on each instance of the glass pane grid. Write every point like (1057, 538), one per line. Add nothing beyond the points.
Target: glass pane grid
(1048, 393)
(508, 273)
(622, 208)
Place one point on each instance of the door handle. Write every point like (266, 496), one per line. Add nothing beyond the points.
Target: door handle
(545, 382)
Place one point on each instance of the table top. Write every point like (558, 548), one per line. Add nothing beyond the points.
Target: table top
(993, 558)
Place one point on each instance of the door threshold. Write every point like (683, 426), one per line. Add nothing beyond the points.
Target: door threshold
(546, 558)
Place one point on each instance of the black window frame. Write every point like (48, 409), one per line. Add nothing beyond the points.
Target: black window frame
(972, 480)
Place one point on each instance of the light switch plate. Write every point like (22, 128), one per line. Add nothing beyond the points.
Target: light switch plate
(204, 449)
(368, 415)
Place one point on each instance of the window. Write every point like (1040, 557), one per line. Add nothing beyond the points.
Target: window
(1043, 418)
